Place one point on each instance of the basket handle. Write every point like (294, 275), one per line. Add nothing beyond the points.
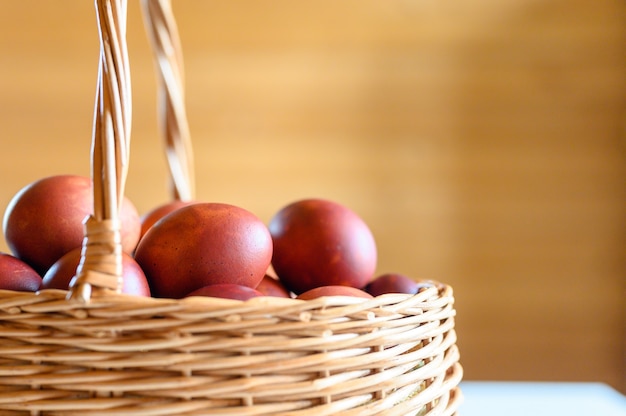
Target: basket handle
(100, 268)
(167, 52)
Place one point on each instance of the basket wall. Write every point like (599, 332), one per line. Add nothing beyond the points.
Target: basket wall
(393, 355)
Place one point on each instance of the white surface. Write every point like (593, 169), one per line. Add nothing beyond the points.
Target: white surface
(540, 399)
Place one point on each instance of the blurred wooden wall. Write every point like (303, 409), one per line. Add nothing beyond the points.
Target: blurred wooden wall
(483, 141)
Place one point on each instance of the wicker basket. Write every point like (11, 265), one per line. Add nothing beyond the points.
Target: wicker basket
(93, 351)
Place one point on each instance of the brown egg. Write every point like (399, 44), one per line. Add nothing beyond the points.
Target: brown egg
(395, 283)
(321, 243)
(17, 275)
(332, 290)
(44, 220)
(270, 286)
(203, 244)
(227, 291)
(152, 216)
(64, 269)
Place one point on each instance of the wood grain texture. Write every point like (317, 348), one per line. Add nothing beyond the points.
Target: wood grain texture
(484, 143)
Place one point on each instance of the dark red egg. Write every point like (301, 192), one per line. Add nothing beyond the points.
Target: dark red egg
(17, 275)
(63, 270)
(154, 215)
(203, 244)
(271, 286)
(321, 291)
(321, 243)
(227, 291)
(394, 283)
(44, 220)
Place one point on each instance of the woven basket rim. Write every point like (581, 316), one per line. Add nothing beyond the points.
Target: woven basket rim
(445, 294)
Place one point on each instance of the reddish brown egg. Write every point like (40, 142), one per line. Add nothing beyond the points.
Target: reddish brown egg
(203, 244)
(64, 269)
(394, 283)
(320, 291)
(271, 286)
(17, 275)
(321, 243)
(44, 220)
(152, 216)
(227, 291)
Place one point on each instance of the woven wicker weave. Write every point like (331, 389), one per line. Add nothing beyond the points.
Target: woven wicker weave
(93, 351)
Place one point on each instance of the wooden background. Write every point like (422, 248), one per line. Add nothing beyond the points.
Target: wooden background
(483, 141)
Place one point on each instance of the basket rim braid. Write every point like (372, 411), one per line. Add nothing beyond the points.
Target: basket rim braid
(94, 351)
